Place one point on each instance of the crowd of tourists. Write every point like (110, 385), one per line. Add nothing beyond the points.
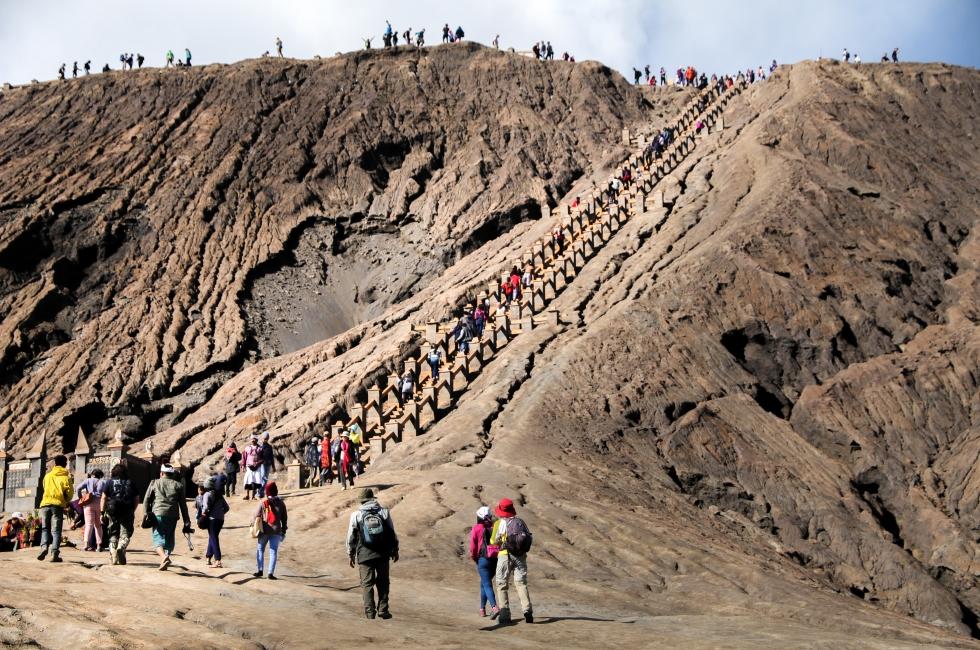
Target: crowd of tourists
(499, 541)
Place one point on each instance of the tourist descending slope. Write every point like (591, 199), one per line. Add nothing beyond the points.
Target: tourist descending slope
(511, 535)
(212, 518)
(345, 459)
(119, 501)
(57, 494)
(254, 468)
(371, 543)
(484, 554)
(163, 504)
(272, 516)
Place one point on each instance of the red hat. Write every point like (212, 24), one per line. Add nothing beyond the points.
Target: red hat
(271, 489)
(505, 509)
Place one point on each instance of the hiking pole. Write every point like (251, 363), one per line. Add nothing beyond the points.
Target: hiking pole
(187, 536)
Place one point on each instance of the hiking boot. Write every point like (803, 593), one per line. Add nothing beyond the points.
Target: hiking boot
(43, 554)
(56, 557)
(385, 615)
(528, 617)
(272, 577)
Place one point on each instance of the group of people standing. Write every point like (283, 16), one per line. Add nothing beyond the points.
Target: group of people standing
(337, 457)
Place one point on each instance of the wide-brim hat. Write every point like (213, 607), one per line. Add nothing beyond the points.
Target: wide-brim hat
(505, 508)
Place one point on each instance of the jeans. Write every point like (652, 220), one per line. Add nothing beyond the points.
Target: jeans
(214, 547)
(51, 519)
(486, 567)
(374, 574)
(273, 541)
(435, 372)
(509, 564)
(163, 533)
(93, 521)
(120, 530)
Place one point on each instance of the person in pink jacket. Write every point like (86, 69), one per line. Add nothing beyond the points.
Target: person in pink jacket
(485, 556)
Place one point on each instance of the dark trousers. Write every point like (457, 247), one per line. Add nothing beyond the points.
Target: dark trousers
(230, 483)
(374, 574)
(214, 546)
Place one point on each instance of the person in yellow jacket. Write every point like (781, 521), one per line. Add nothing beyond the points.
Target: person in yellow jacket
(58, 491)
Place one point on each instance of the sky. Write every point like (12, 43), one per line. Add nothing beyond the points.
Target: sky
(722, 36)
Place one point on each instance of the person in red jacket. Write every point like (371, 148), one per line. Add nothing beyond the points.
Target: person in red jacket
(485, 556)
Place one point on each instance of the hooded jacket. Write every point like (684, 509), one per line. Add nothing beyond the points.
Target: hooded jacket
(356, 548)
(57, 488)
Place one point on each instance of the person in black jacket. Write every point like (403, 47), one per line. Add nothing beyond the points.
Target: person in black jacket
(233, 460)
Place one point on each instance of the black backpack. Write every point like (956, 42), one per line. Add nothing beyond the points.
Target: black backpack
(519, 538)
(119, 497)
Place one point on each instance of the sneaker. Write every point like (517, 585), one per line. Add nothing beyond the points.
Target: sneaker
(56, 557)
(385, 615)
(272, 577)
(217, 565)
(113, 557)
(257, 574)
(43, 554)
(494, 613)
(483, 612)
(370, 615)
(164, 564)
(528, 617)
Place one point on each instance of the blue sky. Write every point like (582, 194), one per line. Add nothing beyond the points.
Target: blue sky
(713, 35)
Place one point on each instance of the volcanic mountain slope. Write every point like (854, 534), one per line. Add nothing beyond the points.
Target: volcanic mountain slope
(160, 230)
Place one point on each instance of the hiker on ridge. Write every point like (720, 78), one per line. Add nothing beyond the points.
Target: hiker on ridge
(636, 76)
(846, 55)
(271, 512)
(74, 70)
(163, 503)
(61, 72)
(119, 501)
(187, 57)
(459, 33)
(57, 493)
(445, 33)
(895, 55)
(88, 67)
(484, 554)
(170, 58)
(371, 542)
(279, 46)
(139, 60)
(511, 535)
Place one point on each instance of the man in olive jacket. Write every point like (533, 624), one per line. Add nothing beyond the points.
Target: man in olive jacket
(165, 501)
(371, 542)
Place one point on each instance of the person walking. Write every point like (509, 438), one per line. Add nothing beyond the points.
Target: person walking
(88, 67)
(170, 58)
(89, 495)
(311, 459)
(212, 518)
(895, 55)
(253, 467)
(268, 462)
(119, 501)
(636, 76)
(279, 46)
(406, 388)
(484, 554)
(434, 359)
(272, 513)
(371, 542)
(165, 501)
(511, 535)
(139, 60)
(187, 57)
(233, 460)
(74, 70)
(56, 497)
(496, 42)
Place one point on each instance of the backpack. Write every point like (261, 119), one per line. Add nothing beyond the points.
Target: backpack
(374, 530)
(519, 538)
(119, 495)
